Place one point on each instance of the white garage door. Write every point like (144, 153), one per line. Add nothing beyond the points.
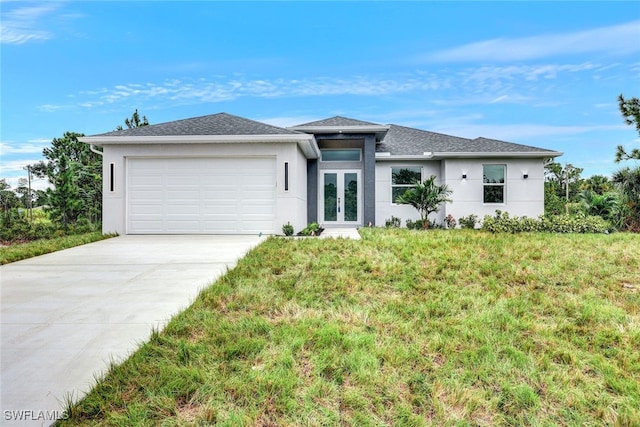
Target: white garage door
(201, 195)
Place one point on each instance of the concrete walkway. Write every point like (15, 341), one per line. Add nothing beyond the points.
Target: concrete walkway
(340, 232)
(65, 315)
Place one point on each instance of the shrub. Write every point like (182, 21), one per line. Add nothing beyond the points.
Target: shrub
(287, 229)
(468, 221)
(312, 229)
(450, 221)
(502, 222)
(394, 222)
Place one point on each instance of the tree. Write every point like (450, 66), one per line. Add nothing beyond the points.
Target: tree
(76, 175)
(598, 184)
(630, 110)
(557, 178)
(426, 197)
(134, 122)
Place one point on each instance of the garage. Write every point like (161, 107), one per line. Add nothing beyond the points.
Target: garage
(196, 195)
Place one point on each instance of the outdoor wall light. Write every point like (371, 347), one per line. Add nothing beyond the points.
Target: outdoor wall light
(525, 176)
(464, 176)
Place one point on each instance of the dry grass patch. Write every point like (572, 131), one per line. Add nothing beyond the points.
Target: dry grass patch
(400, 328)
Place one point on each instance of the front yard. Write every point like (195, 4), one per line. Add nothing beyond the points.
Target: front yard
(454, 327)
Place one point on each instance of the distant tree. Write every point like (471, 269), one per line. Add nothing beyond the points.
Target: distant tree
(134, 121)
(557, 178)
(598, 184)
(630, 110)
(75, 173)
(426, 197)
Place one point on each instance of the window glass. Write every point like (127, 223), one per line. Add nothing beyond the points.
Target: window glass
(493, 177)
(341, 155)
(404, 178)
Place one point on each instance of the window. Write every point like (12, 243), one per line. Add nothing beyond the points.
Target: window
(493, 178)
(352, 155)
(402, 179)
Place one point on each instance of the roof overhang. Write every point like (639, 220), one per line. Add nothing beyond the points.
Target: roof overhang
(306, 142)
(385, 156)
(341, 129)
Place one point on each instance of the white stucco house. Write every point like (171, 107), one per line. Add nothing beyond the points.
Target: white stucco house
(224, 174)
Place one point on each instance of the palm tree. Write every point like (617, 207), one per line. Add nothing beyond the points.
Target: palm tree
(426, 197)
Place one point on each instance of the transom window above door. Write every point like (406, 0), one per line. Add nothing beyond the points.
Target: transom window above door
(341, 155)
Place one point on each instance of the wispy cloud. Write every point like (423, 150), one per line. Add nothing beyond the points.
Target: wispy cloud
(30, 147)
(509, 84)
(22, 25)
(619, 39)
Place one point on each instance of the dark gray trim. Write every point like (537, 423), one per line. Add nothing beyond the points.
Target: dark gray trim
(369, 172)
(312, 190)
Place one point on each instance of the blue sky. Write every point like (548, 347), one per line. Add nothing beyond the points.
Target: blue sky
(538, 73)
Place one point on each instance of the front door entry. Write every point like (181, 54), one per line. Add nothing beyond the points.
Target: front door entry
(340, 195)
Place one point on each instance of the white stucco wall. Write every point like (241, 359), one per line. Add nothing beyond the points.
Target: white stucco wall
(523, 197)
(290, 204)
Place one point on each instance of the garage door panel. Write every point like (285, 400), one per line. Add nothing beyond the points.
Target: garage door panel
(201, 195)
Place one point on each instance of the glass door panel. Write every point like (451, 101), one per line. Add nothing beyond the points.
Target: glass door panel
(330, 196)
(350, 197)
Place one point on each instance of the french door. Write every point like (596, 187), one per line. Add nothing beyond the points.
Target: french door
(340, 197)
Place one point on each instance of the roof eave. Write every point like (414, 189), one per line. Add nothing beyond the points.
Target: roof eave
(307, 143)
(341, 129)
(484, 154)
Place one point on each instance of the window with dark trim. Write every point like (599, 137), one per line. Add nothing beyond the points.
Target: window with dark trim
(403, 178)
(344, 155)
(493, 178)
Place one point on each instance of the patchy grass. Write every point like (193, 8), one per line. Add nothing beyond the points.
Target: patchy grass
(401, 328)
(20, 251)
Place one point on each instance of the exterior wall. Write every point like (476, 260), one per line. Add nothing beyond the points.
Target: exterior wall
(290, 204)
(523, 197)
(385, 208)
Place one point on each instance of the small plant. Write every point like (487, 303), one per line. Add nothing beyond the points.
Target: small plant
(418, 224)
(287, 229)
(468, 221)
(450, 221)
(312, 229)
(394, 222)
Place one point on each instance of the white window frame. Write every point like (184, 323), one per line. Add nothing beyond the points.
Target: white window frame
(407, 186)
(495, 184)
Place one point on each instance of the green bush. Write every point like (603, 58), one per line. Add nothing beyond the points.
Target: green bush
(578, 223)
(23, 230)
(468, 221)
(394, 222)
(287, 229)
(312, 229)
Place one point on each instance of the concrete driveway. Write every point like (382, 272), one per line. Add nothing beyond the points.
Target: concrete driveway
(66, 315)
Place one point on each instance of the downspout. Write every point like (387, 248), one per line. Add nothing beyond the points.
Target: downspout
(93, 150)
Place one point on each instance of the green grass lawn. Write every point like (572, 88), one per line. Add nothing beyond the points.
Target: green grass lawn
(401, 328)
(20, 251)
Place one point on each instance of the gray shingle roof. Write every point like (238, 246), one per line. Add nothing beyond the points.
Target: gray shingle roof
(401, 140)
(337, 121)
(214, 124)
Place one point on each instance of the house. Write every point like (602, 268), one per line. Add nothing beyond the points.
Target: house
(224, 174)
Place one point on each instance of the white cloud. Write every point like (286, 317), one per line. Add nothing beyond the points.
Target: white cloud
(32, 146)
(49, 108)
(619, 39)
(20, 25)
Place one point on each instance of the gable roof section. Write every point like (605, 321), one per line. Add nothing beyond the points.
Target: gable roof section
(214, 128)
(405, 141)
(339, 124)
(214, 124)
(337, 121)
